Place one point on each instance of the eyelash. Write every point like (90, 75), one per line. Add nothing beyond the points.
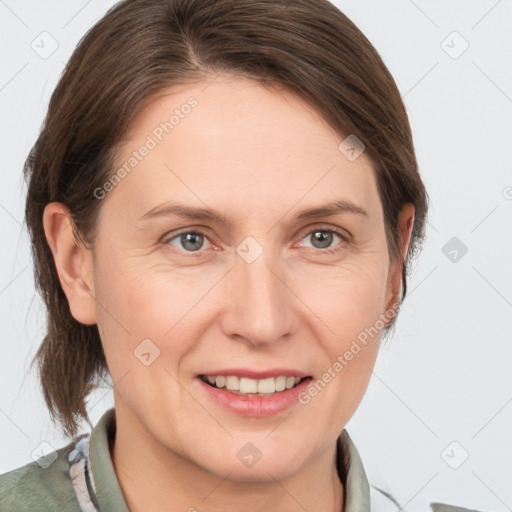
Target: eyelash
(345, 238)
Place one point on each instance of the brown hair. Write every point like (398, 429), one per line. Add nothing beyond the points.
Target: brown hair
(141, 47)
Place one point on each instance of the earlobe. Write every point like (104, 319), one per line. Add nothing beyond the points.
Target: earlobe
(73, 262)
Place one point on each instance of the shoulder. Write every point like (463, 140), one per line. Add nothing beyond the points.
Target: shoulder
(44, 484)
(370, 485)
(445, 507)
(384, 501)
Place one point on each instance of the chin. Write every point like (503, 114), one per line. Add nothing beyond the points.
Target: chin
(247, 463)
(261, 472)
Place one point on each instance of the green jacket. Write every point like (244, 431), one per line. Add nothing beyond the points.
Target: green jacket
(63, 481)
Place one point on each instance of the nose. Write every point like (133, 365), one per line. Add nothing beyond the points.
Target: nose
(259, 304)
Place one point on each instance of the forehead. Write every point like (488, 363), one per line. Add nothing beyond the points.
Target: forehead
(236, 142)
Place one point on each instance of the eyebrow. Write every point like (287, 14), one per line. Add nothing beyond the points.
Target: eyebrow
(169, 208)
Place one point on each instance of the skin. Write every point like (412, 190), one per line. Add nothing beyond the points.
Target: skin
(258, 155)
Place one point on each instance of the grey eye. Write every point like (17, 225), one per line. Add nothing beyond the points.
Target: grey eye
(190, 240)
(322, 238)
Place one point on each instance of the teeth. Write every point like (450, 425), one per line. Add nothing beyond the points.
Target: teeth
(232, 383)
(263, 385)
(244, 385)
(280, 383)
(250, 386)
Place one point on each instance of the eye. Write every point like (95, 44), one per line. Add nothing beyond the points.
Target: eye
(189, 241)
(322, 239)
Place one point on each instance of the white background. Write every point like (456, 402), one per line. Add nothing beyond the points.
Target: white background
(445, 376)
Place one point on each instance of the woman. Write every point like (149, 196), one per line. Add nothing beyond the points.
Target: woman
(223, 203)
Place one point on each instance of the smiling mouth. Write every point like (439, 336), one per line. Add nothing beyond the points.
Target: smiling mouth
(252, 387)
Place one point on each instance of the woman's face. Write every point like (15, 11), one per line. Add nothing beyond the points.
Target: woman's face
(252, 290)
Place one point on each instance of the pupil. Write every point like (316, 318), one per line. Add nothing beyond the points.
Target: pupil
(323, 238)
(190, 238)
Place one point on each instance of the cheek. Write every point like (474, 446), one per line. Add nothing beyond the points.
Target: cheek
(348, 296)
(349, 300)
(140, 314)
(350, 306)
(138, 302)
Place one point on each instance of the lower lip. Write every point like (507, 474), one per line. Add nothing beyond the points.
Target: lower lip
(256, 406)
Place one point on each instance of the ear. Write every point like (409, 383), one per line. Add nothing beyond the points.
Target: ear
(404, 225)
(73, 261)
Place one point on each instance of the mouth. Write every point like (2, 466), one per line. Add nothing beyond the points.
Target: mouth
(245, 386)
(244, 394)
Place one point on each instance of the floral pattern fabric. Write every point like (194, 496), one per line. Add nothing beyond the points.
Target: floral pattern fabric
(81, 474)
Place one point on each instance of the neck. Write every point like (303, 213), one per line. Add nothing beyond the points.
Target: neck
(150, 473)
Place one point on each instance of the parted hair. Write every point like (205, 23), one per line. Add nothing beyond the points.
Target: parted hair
(141, 47)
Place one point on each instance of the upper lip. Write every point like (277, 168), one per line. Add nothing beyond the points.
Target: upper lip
(256, 374)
